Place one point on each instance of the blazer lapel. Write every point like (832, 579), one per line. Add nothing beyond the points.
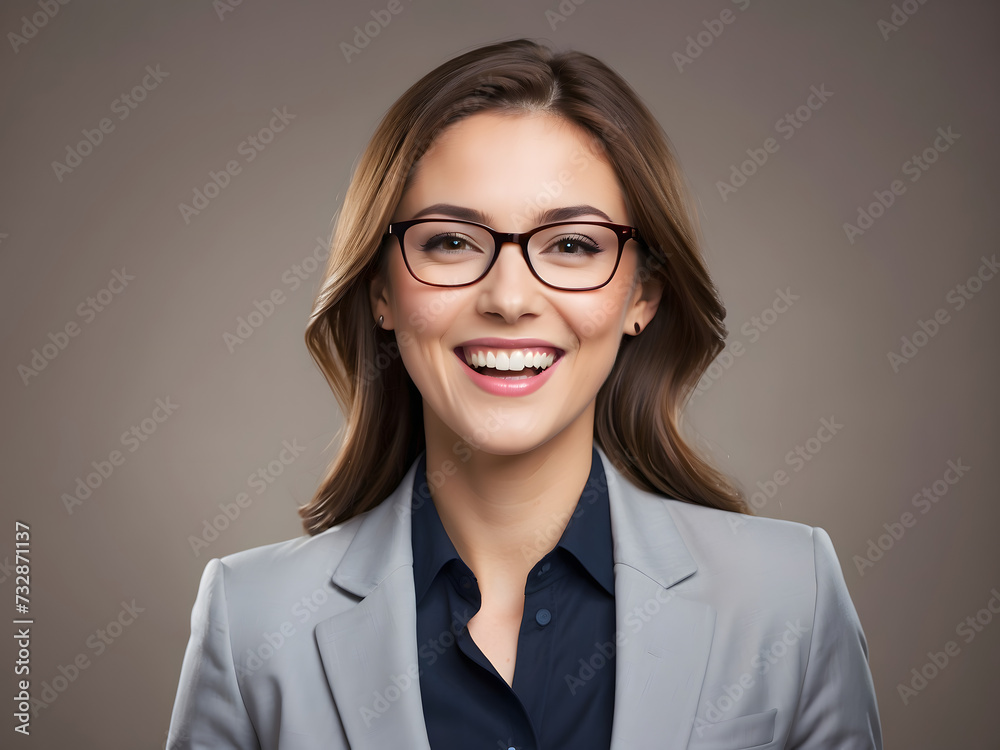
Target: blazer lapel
(369, 651)
(663, 639)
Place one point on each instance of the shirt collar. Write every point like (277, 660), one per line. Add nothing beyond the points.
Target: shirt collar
(587, 535)
(432, 547)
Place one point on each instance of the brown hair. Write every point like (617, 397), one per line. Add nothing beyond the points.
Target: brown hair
(639, 407)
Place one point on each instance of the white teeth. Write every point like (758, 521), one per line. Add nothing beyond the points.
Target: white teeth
(514, 361)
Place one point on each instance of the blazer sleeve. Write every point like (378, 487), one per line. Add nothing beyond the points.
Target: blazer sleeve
(209, 711)
(837, 706)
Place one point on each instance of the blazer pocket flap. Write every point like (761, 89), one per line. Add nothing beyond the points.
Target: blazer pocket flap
(741, 733)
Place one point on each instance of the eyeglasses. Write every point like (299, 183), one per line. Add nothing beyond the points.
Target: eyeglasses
(572, 256)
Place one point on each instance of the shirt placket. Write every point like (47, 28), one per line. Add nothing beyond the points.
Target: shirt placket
(464, 593)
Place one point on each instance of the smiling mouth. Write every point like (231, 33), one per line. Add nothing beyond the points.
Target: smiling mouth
(508, 364)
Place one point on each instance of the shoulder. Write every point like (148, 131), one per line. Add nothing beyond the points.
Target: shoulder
(712, 532)
(296, 552)
(321, 574)
(754, 558)
(278, 575)
(782, 577)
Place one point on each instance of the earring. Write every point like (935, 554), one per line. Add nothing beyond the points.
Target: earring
(637, 328)
(378, 324)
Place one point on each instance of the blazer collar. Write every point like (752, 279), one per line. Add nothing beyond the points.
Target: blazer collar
(382, 542)
(587, 536)
(645, 536)
(369, 651)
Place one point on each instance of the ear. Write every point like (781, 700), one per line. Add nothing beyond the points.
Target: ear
(644, 302)
(378, 298)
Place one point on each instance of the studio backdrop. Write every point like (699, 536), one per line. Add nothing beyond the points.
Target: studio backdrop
(171, 174)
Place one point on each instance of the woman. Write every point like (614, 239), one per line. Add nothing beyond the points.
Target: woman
(515, 547)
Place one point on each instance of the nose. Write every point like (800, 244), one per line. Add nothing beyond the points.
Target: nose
(511, 265)
(509, 288)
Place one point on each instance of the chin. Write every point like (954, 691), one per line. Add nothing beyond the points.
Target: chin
(501, 428)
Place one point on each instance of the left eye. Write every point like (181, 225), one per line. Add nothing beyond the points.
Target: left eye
(575, 246)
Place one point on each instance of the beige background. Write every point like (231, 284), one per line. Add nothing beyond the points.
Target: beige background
(162, 336)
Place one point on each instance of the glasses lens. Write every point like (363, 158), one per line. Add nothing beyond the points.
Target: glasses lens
(448, 252)
(574, 256)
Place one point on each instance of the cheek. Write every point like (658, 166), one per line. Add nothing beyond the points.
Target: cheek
(418, 309)
(426, 313)
(422, 317)
(598, 319)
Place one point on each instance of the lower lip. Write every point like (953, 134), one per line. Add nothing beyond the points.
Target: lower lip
(509, 386)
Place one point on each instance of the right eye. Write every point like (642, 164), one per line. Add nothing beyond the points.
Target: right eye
(449, 243)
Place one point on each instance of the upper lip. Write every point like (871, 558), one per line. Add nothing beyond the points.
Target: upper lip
(498, 343)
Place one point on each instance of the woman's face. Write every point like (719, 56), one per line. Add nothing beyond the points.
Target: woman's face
(511, 169)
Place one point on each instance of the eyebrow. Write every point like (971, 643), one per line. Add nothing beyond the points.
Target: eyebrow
(551, 215)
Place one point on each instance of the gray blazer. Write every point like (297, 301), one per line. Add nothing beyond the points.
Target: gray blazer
(733, 632)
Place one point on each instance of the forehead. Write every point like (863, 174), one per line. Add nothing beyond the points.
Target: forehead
(513, 167)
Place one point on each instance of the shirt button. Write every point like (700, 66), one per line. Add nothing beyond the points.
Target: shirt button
(545, 568)
(543, 617)
(465, 581)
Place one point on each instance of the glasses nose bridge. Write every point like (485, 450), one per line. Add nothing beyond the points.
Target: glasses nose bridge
(510, 238)
(517, 238)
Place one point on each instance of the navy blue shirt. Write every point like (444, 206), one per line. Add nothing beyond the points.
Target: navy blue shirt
(564, 677)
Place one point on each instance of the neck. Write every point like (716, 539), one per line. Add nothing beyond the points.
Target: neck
(503, 513)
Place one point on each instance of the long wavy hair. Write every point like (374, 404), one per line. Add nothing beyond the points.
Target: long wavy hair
(639, 408)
